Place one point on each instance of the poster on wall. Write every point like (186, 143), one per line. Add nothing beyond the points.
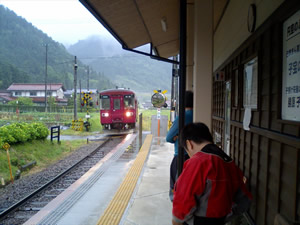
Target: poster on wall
(290, 108)
(250, 91)
(250, 84)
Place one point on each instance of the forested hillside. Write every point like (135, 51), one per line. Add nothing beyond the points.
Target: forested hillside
(23, 56)
(138, 72)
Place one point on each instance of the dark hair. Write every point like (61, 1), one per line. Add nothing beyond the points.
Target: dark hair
(189, 99)
(197, 132)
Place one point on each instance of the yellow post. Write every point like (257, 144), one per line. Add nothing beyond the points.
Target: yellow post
(11, 176)
(158, 129)
(6, 146)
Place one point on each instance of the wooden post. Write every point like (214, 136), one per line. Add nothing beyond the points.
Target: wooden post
(10, 171)
(75, 88)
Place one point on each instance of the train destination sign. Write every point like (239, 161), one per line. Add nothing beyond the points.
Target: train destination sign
(291, 69)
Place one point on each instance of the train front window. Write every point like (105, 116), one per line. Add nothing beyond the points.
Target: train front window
(104, 102)
(117, 104)
(128, 101)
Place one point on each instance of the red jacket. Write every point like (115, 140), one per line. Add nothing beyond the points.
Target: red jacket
(209, 186)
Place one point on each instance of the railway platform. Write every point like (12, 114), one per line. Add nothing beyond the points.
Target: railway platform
(129, 187)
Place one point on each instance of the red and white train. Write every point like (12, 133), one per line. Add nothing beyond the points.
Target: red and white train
(118, 109)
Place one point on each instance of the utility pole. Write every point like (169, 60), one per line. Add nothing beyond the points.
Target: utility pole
(50, 97)
(46, 65)
(80, 95)
(88, 79)
(75, 89)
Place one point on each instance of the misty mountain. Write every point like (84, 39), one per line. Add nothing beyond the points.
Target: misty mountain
(95, 47)
(124, 68)
(23, 56)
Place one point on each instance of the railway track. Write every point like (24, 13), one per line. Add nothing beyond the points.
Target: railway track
(24, 209)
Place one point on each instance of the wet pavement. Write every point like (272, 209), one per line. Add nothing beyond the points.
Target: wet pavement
(95, 136)
(95, 189)
(76, 137)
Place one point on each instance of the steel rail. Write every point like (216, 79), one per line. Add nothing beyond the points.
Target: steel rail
(31, 195)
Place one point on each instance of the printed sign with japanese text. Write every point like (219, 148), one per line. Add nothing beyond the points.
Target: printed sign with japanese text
(291, 69)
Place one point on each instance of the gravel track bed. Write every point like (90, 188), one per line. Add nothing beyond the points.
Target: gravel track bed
(13, 193)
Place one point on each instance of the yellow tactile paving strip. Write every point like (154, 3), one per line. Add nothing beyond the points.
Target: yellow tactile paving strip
(114, 212)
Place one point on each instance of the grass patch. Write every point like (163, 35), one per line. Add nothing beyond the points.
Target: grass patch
(49, 118)
(148, 113)
(95, 125)
(45, 153)
(42, 151)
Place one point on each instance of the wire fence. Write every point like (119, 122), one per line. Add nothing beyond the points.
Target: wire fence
(47, 118)
(58, 115)
(26, 109)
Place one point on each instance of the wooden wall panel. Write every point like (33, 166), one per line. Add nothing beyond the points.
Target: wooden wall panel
(236, 141)
(254, 170)
(269, 153)
(264, 119)
(262, 182)
(290, 129)
(233, 114)
(274, 181)
(298, 185)
(255, 120)
(288, 195)
(232, 146)
(275, 125)
(248, 151)
(241, 150)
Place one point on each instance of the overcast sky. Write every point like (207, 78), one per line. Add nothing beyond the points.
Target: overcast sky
(65, 21)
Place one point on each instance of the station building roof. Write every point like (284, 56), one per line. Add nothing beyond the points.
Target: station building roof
(138, 22)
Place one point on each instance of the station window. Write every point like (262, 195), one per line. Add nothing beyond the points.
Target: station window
(129, 101)
(33, 93)
(104, 102)
(18, 93)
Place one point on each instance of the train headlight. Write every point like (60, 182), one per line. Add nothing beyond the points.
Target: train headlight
(105, 114)
(128, 114)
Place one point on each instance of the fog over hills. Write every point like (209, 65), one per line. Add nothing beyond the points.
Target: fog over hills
(23, 53)
(124, 68)
(94, 47)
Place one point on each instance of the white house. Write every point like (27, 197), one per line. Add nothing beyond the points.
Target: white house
(37, 92)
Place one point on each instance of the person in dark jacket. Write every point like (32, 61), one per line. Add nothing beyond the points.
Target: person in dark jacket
(211, 187)
(172, 137)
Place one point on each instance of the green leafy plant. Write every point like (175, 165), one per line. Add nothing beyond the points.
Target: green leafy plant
(21, 101)
(22, 132)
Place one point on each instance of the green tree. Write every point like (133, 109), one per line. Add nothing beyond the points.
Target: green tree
(21, 101)
(71, 100)
(51, 101)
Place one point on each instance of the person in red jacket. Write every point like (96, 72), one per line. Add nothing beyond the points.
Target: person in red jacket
(210, 189)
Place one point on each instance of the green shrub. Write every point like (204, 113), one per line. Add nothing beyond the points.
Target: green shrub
(22, 132)
(41, 129)
(1, 143)
(6, 136)
(19, 132)
(32, 131)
